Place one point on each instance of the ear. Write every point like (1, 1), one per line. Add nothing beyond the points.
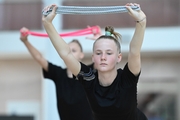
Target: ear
(119, 57)
(92, 58)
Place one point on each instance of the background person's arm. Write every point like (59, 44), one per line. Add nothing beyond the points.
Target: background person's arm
(32, 50)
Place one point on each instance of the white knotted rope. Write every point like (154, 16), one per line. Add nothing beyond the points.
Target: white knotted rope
(90, 10)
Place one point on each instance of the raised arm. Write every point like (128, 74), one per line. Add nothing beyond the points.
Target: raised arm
(134, 56)
(60, 45)
(33, 51)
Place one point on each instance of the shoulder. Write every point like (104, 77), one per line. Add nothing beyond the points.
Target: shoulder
(52, 66)
(91, 65)
(127, 70)
(84, 68)
(128, 75)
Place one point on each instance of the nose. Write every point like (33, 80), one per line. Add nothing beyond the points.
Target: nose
(103, 56)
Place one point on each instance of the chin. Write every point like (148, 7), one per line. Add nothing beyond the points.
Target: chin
(103, 69)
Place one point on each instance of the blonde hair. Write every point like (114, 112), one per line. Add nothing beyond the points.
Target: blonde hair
(79, 44)
(112, 35)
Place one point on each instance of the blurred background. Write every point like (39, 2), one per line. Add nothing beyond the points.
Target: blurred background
(26, 95)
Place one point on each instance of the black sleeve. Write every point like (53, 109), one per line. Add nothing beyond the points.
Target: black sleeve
(128, 78)
(53, 71)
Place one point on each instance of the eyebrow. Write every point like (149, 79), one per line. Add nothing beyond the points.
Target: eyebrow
(101, 50)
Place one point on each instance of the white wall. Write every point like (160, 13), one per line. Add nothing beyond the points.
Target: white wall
(156, 40)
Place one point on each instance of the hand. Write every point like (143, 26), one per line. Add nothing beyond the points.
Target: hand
(96, 33)
(49, 18)
(24, 34)
(138, 15)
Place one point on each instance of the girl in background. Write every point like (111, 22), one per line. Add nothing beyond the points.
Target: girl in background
(71, 98)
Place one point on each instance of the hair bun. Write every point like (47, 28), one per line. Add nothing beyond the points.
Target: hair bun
(109, 29)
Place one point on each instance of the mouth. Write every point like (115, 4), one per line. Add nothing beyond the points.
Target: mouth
(103, 64)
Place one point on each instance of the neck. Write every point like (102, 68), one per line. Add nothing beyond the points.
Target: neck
(107, 78)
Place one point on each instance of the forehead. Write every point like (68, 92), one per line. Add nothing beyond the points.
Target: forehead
(105, 44)
(74, 45)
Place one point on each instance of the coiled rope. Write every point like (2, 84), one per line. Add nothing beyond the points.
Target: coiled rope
(90, 10)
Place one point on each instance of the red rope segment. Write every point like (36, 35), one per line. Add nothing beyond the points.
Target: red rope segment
(82, 32)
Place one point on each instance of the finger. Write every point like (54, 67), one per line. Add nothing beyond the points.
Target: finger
(131, 4)
(46, 8)
(24, 31)
(129, 9)
(127, 4)
(135, 4)
(54, 8)
(24, 34)
(90, 38)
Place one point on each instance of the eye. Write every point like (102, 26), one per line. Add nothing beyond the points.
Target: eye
(98, 53)
(109, 53)
(73, 51)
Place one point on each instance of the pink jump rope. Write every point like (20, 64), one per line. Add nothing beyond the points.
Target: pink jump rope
(82, 32)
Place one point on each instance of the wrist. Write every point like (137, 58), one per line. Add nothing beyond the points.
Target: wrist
(46, 23)
(141, 20)
(24, 40)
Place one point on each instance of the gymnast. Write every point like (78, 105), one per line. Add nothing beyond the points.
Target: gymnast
(111, 91)
(72, 103)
